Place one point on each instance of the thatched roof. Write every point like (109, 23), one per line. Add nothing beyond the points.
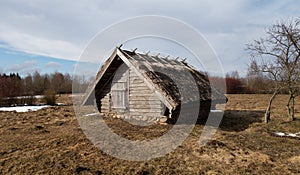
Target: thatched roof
(173, 81)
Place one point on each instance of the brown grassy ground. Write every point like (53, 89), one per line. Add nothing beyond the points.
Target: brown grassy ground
(50, 141)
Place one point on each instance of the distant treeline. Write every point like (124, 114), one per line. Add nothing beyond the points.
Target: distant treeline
(250, 84)
(13, 85)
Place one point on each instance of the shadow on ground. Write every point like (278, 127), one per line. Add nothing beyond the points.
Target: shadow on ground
(240, 120)
(232, 120)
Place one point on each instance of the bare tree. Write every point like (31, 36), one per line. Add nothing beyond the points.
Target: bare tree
(234, 84)
(257, 82)
(28, 85)
(37, 83)
(277, 56)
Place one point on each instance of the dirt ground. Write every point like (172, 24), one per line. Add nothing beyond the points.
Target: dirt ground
(50, 141)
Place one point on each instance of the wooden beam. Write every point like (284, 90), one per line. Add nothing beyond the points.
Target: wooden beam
(112, 75)
(134, 50)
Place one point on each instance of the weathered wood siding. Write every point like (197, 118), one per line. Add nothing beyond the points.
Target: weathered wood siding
(105, 101)
(114, 96)
(142, 101)
(128, 94)
(119, 90)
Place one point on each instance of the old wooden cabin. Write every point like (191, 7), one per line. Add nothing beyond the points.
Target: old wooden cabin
(135, 84)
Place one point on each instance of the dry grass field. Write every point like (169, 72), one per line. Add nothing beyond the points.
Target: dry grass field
(50, 141)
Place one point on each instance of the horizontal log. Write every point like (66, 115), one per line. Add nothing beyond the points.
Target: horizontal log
(105, 110)
(146, 110)
(139, 88)
(141, 98)
(144, 99)
(103, 100)
(132, 85)
(105, 104)
(141, 92)
(145, 102)
(140, 106)
(154, 114)
(141, 95)
(137, 83)
(135, 78)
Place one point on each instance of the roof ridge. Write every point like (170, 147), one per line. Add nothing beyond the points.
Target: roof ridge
(158, 55)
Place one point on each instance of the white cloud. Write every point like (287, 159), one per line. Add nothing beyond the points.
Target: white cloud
(38, 45)
(53, 65)
(25, 67)
(61, 29)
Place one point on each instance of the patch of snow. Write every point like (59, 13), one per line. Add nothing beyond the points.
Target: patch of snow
(280, 133)
(76, 95)
(24, 97)
(23, 108)
(60, 104)
(297, 134)
(215, 110)
(39, 96)
(292, 135)
(92, 114)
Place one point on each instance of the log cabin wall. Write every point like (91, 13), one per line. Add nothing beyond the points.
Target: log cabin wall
(142, 101)
(104, 105)
(127, 93)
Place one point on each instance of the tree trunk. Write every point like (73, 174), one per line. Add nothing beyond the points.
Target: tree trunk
(291, 108)
(268, 111)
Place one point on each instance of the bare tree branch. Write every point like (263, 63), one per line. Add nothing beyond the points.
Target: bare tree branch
(278, 56)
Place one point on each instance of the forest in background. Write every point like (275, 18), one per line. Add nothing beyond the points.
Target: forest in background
(250, 84)
(13, 85)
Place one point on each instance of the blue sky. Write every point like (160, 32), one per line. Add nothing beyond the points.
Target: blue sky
(49, 36)
(24, 63)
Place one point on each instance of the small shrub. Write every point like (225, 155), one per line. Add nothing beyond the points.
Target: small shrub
(50, 97)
